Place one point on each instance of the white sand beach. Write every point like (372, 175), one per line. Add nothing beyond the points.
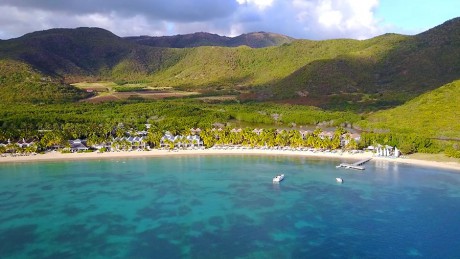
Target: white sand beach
(345, 156)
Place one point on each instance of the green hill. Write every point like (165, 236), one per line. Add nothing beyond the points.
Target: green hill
(244, 66)
(20, 83)
(436, 113)
(382, 72)
(81, 51)
(387, 71)
(84, 52)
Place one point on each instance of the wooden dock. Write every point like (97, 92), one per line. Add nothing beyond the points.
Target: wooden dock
(356, 166)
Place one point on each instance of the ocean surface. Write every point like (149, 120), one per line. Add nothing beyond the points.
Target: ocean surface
(227, 207)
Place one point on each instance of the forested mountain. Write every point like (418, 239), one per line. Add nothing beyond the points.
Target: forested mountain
(21, 83)
(82, 52)
(68, 51)
(384, 71)
(253, 40)
(390, 67)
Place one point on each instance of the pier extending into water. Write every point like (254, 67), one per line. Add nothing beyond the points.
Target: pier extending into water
(356, 166)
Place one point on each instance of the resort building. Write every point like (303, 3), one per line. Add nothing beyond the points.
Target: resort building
(106, 145)
(179, 141)
(23, 143)
(326, 135)
(385, 151)
(77, 145)
(131, 143)
(347, 137)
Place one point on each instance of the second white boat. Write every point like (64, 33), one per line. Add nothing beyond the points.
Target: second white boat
(278, 178)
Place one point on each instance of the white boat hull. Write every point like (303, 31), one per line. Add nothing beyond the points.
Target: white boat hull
(278, 178)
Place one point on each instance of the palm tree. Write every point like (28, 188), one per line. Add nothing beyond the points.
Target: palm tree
(352, 144)
(295, 138)
(317, 132)
(119, 132)
(28, 150)
(269, 136)
(126, 145)
(53, 138)
(115, 145)
(93, 139)
(153, 138)
(194, 142)
(12, 147)
(208, 137)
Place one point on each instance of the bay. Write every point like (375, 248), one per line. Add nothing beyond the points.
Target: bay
(227, 207)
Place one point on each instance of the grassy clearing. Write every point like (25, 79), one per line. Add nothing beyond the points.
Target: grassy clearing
(143, 95)
(110, 86)
(217, 99)
(111, 91)
(97, 85)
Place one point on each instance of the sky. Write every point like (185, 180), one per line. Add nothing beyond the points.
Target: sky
(303, 19)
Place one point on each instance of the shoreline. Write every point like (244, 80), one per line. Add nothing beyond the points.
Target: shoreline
(56, 156)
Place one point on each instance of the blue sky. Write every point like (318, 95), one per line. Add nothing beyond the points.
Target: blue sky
(414, 16)
(307, 19)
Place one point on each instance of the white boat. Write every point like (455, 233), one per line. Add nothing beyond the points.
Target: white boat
(278, 178)
(339, 180)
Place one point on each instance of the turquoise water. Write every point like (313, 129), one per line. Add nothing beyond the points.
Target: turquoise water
(227, 207)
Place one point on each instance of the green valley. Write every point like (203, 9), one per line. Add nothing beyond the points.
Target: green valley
(339, 74)
(87, 81)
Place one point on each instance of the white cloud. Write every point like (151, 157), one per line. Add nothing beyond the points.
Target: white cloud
(261, 4)
(327, 15)
(316, 19)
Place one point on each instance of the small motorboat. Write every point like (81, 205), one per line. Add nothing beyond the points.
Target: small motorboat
(278, 178)
(339, 180)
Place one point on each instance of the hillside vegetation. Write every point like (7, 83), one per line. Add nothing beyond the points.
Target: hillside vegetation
(85, 119)
(253, 40)
(382, 72)
(243, 66)
(78, 54)
(436, 113)
(20, 83)
(388, 71)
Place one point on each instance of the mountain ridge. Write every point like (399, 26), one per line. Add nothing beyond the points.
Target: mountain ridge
(198, 39)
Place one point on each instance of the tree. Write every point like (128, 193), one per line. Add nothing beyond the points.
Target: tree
(295, 138)
(352, 145)
(12, 147)
(31, 149)
(153, 138)
(53, 138)
(119, 132)
(208, 137)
